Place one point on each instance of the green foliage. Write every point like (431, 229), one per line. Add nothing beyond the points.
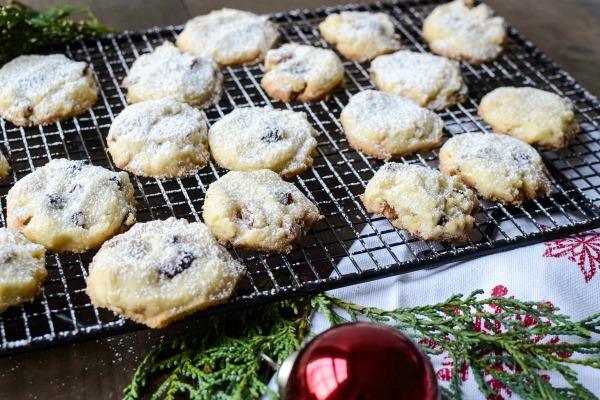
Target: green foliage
(24, 29)
(221, 360)
(520, 337)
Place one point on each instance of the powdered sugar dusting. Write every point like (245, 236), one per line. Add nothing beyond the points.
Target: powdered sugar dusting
(422, 200)
(162, 270)
(500, 167)
(39, 89)
(458, 31)
(383, 112)
(385, 125)
(71, 206)
(263, 138)
(313, 64)
(170, 73)
(155, 121)
(160, 138)
(301, 71)
(4, 166)
(429, 80)
(229, 36)
(532, 115)
(258, 210)
(361, 36)
(20, 259)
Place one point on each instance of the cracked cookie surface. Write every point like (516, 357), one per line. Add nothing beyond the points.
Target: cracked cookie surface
(159, 138)
(45, 89)
(384, 125)
(170, 73)
(532, 115)
(249, 139)
(22, 269)
(301, 72)
(430, 81)
(460, 31)
(501, 168)
(360, 36)
(258, 211)
(4, 166)
(70, 205)
(160, 271)
(423, 201)
(229, 36)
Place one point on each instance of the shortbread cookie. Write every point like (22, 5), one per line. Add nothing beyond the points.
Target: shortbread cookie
(169, 73)
(4, 166)
(360, 36)
(45, 89)
(431, 81)
(463, 32)
(161, 271)
(384, 125)
(301, 72)
(71, 206)
(22, 269)
(422, 201)
(159, 138)
(500, 167)
(229, 36)
(532, 115)
(258, 211)
(250, 139)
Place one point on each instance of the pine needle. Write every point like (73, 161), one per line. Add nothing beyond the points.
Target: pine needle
(24, 29)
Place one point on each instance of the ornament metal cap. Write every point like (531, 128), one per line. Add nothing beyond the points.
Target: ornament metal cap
(284, 373)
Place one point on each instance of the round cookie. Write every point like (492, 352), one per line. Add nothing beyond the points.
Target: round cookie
(71, 206)
(4, 166)
(160, 271)
(384, 125)
(22, 269)
(532, 115)
(249, 139)
(159, 138)
(360, 36)
(431, 81)
(301, 72)
(258, 210)
(44, 89)
(169, 73)
(500, 167)
(460, 31)
(229, 36)
(423, 201)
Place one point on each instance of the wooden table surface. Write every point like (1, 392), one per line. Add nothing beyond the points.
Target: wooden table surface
(566, 30)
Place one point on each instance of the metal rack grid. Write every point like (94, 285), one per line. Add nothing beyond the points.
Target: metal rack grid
(350, 245)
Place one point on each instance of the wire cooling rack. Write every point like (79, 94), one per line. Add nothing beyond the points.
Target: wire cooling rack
(349, 245)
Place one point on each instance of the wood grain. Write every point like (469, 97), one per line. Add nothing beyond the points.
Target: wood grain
(564, 29)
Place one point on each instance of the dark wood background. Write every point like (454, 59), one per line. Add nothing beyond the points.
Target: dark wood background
(568, 31)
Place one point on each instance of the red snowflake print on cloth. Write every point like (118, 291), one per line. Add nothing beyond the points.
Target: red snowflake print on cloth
(444, 373)
(581, 248)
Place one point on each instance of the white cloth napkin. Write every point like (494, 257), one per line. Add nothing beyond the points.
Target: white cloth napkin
(565, 272)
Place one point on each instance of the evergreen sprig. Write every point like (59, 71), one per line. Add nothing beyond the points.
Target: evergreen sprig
(222, 359)
(23, 28)
(520, 338)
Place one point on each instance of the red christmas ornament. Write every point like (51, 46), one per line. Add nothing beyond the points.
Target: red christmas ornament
(359, 361)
